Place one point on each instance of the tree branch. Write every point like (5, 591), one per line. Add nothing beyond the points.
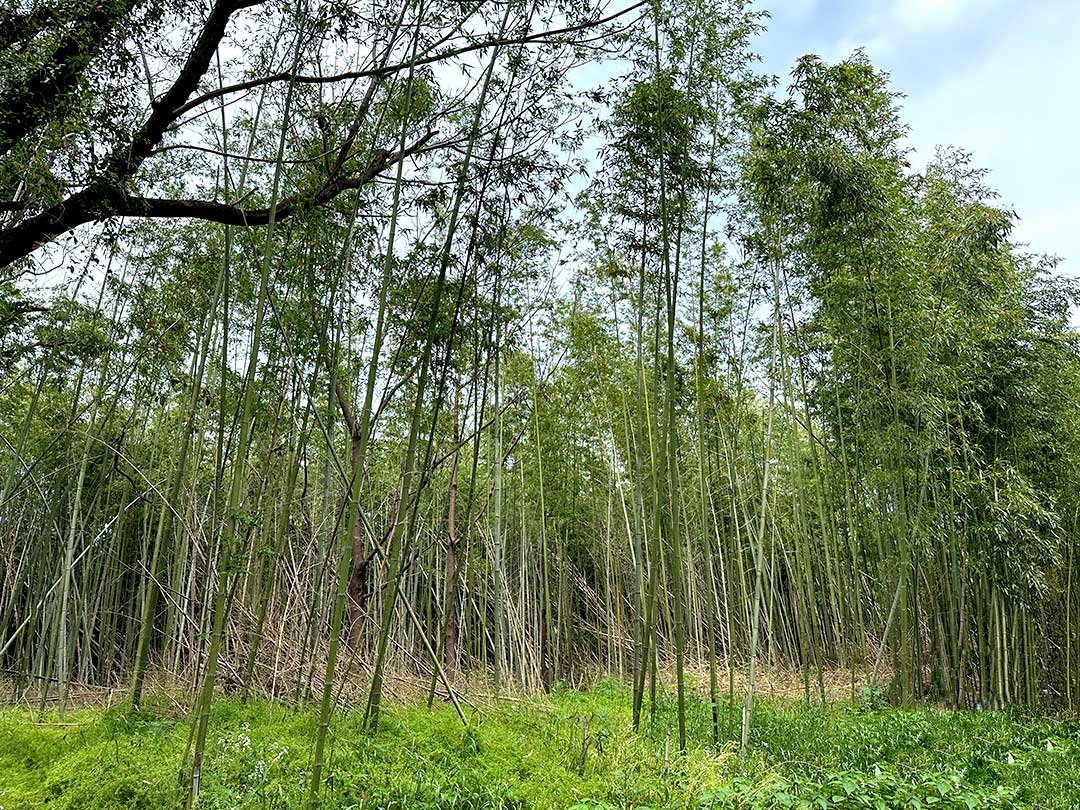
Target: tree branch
(81, 208)
(387, 70)
(16, 28)
(124, 162)
(238, 215)
(109, 193)
(28, 104)
(106, 194)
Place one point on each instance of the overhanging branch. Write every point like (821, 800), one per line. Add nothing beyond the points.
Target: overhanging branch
(227, 214)
(387, 70)
(97, 204)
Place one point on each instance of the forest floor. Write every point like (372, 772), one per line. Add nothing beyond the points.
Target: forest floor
(570, 749)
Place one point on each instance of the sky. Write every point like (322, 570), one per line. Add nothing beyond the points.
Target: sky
(1000, 78)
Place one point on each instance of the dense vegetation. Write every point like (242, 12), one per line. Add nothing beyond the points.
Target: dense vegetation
(344, 340)
(569, 750)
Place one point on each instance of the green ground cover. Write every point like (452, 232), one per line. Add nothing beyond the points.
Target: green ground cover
(536, 754)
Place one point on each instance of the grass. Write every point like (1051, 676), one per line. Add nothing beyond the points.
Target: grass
(536, 754)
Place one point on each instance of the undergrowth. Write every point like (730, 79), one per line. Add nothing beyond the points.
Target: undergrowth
(569, 750)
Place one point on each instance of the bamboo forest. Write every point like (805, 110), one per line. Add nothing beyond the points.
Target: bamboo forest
(517, 404)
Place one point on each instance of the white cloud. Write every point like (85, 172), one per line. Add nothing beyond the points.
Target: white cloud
(923, 14)
(997, 78)
(1014, 105)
